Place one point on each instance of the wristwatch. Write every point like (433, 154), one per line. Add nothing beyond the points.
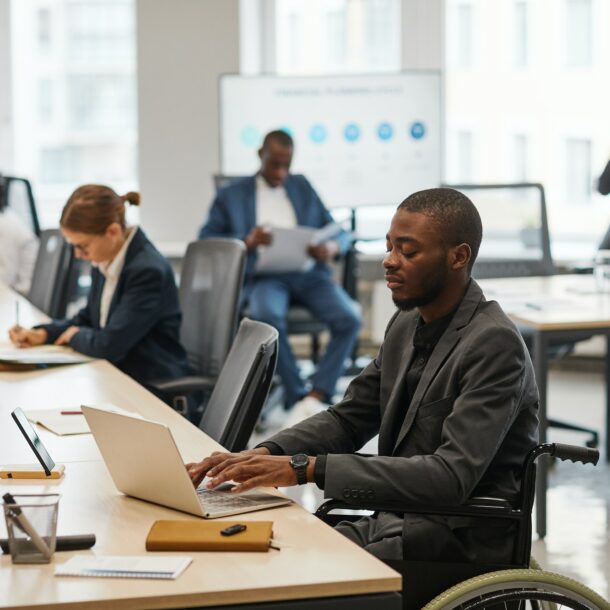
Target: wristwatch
(299, 463)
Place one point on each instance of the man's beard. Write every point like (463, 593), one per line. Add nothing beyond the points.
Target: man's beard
(432, 288)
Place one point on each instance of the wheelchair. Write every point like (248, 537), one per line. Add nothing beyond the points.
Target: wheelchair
(519, 585)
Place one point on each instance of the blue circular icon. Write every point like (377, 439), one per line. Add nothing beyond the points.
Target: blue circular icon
(250, 136)
(385, 131)
(317, 133)
(351, 132)
(418, 130)
(287, 130)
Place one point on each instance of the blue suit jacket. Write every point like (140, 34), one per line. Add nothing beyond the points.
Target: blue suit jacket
(233, 213)
(141, 336)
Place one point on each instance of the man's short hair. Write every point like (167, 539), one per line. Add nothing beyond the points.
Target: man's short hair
(279, 136)
(457, 217)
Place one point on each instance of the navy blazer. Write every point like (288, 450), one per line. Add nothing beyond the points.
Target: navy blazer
(141, 336)
(233, 212)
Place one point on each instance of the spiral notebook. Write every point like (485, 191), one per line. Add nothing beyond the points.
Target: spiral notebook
(124, 566)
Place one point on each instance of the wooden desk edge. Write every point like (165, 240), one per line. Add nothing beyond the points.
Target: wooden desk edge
(226, 598)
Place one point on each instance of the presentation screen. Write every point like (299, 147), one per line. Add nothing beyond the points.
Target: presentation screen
(360, 140)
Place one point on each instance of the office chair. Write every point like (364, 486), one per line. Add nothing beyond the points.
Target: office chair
(423, 580)
(242, 386)
(52, 272)
(210, 290)
(535, 260)
(16, 193)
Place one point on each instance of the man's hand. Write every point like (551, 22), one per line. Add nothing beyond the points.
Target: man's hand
(67, 335)
(249, 469)
(198, 470)
(324, 252)
(27, 337)
(259, 236)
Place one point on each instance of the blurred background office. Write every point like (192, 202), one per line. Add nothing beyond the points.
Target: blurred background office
(126, 92)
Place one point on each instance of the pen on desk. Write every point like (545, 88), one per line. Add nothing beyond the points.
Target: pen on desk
(71, 412)
(16, 514)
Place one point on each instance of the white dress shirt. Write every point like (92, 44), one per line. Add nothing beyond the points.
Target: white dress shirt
(18, 251)
(112, 271)
(273, 207)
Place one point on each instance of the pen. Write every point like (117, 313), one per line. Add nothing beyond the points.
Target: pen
(22, 521)
(71, 412)
(17, 314)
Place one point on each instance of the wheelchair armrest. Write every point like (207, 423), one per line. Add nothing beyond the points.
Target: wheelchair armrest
(480, 507)
(183, 385)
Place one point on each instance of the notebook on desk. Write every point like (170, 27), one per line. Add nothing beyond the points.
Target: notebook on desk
(145, 463)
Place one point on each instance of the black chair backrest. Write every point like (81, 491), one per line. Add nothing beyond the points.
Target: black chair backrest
(210, 292)
(16, 193)
(222, 180)
(52, 271)
(516, 239)
(242, 387)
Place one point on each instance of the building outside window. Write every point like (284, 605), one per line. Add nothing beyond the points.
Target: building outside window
(337, 36)
(579, 33)
(535, 100)
(74, 97)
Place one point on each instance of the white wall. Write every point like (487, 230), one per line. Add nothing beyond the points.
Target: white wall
(6, 130)
(183, 46)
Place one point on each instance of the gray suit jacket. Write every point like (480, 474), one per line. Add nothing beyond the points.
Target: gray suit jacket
(471, 422)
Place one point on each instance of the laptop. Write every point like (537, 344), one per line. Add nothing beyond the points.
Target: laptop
(145, 463)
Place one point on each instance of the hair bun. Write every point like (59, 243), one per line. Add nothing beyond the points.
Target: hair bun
(132, 198)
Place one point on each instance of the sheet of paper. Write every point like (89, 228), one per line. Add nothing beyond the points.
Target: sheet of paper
(62, 425)
(43, 354)
(288, 250)
(124, 566)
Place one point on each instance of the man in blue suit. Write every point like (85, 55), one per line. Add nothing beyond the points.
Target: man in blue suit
(247, 210)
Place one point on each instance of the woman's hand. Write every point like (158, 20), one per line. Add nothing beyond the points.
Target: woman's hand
(66, 336)
(27, 337)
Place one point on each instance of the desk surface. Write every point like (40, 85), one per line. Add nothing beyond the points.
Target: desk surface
(551, 303)
(328, 564)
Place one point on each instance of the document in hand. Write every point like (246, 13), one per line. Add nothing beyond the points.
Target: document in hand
(288, 250)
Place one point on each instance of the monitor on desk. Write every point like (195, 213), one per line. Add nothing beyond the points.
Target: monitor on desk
(516, 239)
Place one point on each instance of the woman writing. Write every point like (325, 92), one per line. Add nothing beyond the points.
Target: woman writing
(132, 317)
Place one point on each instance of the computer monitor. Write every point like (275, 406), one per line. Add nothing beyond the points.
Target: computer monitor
(515, 229)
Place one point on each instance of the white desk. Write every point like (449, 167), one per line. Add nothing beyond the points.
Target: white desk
(555, 308)
(315, 563)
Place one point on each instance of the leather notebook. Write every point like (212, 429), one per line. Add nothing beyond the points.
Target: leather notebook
(200, 535)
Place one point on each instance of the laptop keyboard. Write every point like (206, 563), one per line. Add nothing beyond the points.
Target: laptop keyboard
(214, 501)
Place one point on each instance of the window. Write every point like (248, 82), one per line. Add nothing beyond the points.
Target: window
(75, 107)
(578, 170)
(464, 35)
(520, 160)
(44, 30)
(337, 36)
(521, 34)
(464, 156)
(579, 21)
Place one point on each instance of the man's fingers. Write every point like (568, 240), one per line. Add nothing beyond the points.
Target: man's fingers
(258, 481)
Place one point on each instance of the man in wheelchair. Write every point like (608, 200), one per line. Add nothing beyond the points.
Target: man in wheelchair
(451, 395)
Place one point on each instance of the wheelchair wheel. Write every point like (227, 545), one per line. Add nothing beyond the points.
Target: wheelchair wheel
(519, 590)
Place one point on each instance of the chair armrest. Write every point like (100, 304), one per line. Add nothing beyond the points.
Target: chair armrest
(183, 385)
(481, 507)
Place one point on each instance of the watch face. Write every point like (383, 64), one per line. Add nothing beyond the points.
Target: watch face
(299, 460)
